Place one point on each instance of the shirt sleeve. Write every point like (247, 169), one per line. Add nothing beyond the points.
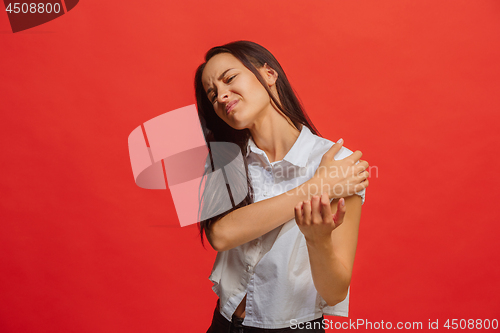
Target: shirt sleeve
(343, 153)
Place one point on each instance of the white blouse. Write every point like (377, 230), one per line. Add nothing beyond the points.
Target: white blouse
(273, 270)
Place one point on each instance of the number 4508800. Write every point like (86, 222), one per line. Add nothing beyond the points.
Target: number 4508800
(33, 8)
(471, 324)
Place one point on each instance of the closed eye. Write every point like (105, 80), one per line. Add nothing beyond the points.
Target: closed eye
(212, 96)
(228, 80)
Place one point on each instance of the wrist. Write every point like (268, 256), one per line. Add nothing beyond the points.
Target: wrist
(317, 186)
(313, 186)
(320, 243)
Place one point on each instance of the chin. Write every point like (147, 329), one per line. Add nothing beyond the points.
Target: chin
(237, 123)
(238, 126)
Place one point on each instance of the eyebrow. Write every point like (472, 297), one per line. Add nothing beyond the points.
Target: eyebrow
(209, 90)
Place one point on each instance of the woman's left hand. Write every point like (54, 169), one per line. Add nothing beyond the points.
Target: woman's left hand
(315, 218)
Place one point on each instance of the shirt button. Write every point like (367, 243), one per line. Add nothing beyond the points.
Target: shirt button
(249, 268)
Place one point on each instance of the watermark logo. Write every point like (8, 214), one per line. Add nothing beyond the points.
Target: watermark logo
(170, 150)
(29, 14)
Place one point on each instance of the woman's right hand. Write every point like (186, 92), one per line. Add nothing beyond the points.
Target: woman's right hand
(340, 178)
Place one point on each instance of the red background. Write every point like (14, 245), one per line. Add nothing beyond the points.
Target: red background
(412, 84)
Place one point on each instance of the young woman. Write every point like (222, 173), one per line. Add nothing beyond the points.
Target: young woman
(286, 252)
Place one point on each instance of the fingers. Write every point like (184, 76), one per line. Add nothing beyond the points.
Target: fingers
(361, 169)
(326, 211)
(307, 212)
(316, 209)
(354, 157)
(363, 175)
(338, 217)
(361, 186)
(334, 149)
(299, 214)
(362, 164)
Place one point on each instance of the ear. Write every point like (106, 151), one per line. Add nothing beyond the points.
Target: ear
(269, 74)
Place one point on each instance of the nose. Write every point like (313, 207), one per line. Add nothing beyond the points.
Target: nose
(223, 96)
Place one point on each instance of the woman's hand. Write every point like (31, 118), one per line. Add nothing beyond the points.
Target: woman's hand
(315, 219)
(340, 178)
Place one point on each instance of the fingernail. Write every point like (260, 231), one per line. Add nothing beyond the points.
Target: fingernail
(343, 202)
(340, 140)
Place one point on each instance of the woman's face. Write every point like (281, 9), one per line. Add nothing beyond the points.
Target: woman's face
(236, 94)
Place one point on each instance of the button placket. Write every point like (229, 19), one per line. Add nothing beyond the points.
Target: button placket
(269, 181)
(266, 186)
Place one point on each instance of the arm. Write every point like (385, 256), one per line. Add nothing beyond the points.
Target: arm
(247, 223)
(331, 243)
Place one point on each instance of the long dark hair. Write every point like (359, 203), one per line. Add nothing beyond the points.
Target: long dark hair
(252, 56)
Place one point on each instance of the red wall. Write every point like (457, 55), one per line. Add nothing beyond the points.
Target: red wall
(412, 84)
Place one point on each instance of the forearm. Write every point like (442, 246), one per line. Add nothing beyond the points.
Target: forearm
(330, 276)
(247, 223)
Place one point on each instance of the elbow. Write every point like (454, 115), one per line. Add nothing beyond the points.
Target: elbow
(337, 298)
(341, 290)
(218, 246)
(216, 241)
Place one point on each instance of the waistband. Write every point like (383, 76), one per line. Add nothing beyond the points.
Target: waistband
(236, 325)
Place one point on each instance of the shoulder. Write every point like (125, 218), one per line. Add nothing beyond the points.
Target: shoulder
(321, 146)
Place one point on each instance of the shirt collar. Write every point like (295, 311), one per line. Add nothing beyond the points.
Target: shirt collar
(298, 154)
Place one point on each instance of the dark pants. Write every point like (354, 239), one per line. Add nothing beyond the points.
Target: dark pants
(222, 325)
